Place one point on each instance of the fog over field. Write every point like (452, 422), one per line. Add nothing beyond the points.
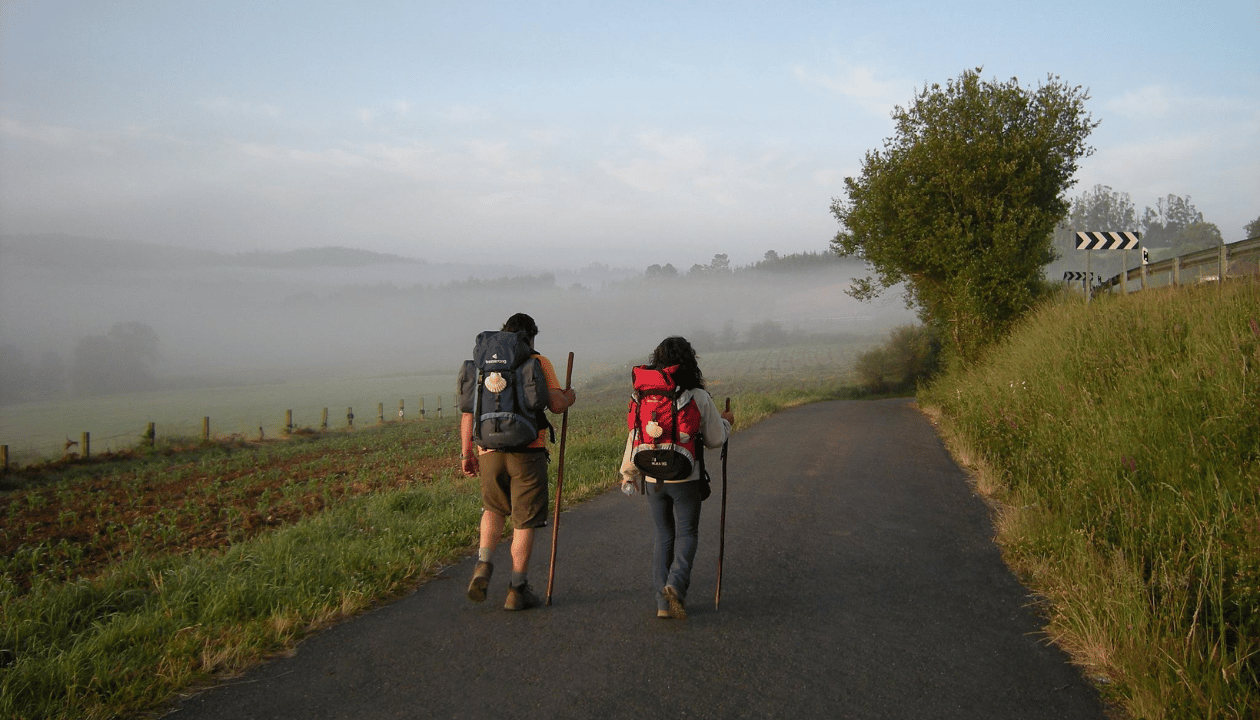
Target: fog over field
(337, 312)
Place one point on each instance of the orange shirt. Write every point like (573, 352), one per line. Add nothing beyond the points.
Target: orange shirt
(553, 383)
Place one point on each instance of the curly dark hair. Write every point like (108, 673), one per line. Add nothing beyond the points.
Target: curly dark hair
(675, 350)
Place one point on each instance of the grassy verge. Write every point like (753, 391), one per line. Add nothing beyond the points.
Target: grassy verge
(294, 536)
(1120, 442)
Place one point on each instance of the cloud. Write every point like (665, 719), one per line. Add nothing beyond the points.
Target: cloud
(859, 84)
(464, 115)
(229, 106)
(670, 161)
(1153, 101)
(57, 135)
(281, 155)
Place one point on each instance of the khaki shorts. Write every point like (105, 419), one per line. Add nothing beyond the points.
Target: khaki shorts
(514, 484)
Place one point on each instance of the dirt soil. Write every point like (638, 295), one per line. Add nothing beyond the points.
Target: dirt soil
(96, 522)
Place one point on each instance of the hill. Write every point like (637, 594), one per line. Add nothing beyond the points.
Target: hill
(69, 251)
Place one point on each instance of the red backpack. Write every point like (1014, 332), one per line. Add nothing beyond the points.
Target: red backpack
(666, 438)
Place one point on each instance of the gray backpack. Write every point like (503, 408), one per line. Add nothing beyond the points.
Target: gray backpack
(505, 388)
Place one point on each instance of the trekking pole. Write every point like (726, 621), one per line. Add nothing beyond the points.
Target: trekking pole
(717, 597)
(555, 523)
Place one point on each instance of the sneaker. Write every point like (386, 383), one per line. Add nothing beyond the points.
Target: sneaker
(480, 579)
(677, 609)
(521, 598)
(662, 614)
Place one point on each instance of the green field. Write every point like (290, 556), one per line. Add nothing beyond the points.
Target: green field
(39, 429)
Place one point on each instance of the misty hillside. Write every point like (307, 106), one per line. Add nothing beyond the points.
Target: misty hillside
(68, 251)
(193, 314)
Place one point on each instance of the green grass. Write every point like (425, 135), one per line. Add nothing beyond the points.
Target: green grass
(35, 430)
(1121, 443)
(155, 621)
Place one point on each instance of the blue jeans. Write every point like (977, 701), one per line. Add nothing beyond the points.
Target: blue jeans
(676, 512)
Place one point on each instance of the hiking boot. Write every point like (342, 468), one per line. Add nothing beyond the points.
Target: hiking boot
(480, 579)
(664, 614)
(677, 609)
(521, 598)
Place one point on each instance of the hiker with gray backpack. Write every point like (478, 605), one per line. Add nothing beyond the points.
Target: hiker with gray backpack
(672, 419)
(504, 392)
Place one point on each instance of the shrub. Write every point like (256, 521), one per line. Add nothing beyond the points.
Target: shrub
(911, 356)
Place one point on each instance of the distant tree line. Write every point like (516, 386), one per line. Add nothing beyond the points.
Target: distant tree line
(764, 334)
(772, 262)
(515, 282)
(1174, 226)
(118, 361)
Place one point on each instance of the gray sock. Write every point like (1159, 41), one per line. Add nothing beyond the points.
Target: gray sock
(518, 579)
(483, 554)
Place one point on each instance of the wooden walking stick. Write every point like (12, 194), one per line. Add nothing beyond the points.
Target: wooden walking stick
(717, 597)
(555, 522)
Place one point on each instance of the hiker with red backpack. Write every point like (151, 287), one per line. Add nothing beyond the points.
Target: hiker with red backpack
(672, 419)
(503, 431)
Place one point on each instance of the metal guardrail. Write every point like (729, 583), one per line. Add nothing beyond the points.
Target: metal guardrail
(1211, 265)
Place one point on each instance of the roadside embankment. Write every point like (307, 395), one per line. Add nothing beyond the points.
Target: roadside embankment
(1120, 444)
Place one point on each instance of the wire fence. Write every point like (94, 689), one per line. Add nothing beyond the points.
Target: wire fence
(81, 444)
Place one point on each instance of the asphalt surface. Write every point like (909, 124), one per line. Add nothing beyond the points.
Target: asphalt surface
(860, 581)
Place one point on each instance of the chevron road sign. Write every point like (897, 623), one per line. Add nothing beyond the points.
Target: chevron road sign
(1076, 276)
(1108, 240)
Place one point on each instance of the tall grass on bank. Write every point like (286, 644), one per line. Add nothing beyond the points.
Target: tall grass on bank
(1121, 441)
(124, 641)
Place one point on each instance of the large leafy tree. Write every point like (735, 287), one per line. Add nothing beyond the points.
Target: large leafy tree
(1175, 223)
(961, 203)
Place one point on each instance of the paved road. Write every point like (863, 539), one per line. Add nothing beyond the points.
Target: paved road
(860, 581)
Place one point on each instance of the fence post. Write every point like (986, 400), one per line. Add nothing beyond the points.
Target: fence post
(4, 458)
(323, 420)
(205, 429)
(380, 412)
(401, 414)
(1143, 276)
(350, 417)
(85, 442)
(421, 407)
(439, 412)
(1177, 270)
(150, 434)
(288, 421)
(1224, 262)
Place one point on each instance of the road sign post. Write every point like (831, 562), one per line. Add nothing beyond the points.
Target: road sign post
(1090, 241)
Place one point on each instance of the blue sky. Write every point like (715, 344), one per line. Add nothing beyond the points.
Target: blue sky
(564, 133)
